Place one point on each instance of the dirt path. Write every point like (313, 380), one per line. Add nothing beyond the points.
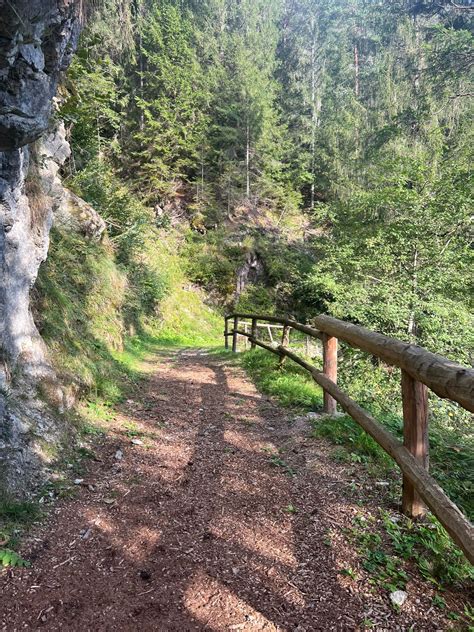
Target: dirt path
(196, 529)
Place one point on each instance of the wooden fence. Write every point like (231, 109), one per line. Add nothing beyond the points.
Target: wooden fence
(421, 370)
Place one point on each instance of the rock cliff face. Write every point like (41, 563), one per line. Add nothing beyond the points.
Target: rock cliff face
(37, 40)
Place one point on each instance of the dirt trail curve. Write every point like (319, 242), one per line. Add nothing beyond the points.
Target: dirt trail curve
(195, 529)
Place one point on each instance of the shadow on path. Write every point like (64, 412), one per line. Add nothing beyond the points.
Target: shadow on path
(196, 528)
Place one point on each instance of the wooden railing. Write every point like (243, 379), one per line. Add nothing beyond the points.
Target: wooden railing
(421, 370)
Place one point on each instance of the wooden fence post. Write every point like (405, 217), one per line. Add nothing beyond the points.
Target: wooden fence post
(270, 333)
(330, 370)
(226, 332)
(415, 438)
(234, 334)
(285, 341)
(254, 332)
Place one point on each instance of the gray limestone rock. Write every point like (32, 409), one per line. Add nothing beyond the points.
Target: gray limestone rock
(70, 212)
(37, 39)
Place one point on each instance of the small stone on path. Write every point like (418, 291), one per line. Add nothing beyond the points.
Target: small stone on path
(398, 598)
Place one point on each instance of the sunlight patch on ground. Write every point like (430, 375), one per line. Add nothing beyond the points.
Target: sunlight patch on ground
(263, 537)
(205, 596)
(138, 545)
(240, 440)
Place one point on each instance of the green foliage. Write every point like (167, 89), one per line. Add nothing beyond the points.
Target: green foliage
(80, 297)
(171, 101)
(212, 263)
(344, 431)
(17, 511)
(438, 559)
(9, 558)
(15, 516)
(277, 461)
(389, 548)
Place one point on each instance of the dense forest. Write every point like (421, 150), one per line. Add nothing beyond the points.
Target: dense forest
(313, 156)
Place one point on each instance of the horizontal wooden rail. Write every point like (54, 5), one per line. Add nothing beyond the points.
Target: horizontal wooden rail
(310, 331)
(453, 520)
(445, 378)
(242, 322)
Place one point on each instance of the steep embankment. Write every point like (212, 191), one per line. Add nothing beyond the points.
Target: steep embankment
(91, 296)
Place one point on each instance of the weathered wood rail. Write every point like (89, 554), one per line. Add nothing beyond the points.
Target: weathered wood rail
(421, 370)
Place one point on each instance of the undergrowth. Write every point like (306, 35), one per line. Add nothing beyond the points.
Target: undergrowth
(15, 517)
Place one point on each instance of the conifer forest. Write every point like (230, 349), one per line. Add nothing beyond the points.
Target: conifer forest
(171, 168)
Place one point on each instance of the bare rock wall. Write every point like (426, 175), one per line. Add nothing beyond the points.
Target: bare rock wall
(37, 40)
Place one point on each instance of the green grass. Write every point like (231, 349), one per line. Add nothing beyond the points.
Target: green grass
(15, 517)
(450, 456)
(359, 446)
(187, 322)
(290, 385)
(389, 548)
(13, 511)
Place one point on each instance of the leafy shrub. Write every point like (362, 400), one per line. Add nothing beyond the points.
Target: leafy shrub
(10, 558)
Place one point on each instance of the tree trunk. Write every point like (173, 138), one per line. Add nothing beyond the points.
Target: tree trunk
(313, 111)
(356, 70)
(414, 291)
(247, 161)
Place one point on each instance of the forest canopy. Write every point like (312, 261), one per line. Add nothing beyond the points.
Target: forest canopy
(330, 141)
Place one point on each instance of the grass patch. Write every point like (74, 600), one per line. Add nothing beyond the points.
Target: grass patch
(17, 512)
(187, 322)
(450, 456)
(359, 446)
(15, 517)
(389, 547)
(290, 385)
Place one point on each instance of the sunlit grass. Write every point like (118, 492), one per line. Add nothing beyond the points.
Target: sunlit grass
(290, 385)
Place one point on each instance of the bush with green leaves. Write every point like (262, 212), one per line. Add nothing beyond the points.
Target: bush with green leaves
(12, 559)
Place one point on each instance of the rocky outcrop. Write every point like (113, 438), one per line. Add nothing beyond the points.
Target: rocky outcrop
(37, 40)
(67, 210)
(251, 271)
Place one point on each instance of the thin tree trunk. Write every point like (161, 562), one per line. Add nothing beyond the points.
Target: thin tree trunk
(313, 112)
(140, 67)
(247, 161)
(414, 291)
(356, 70)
